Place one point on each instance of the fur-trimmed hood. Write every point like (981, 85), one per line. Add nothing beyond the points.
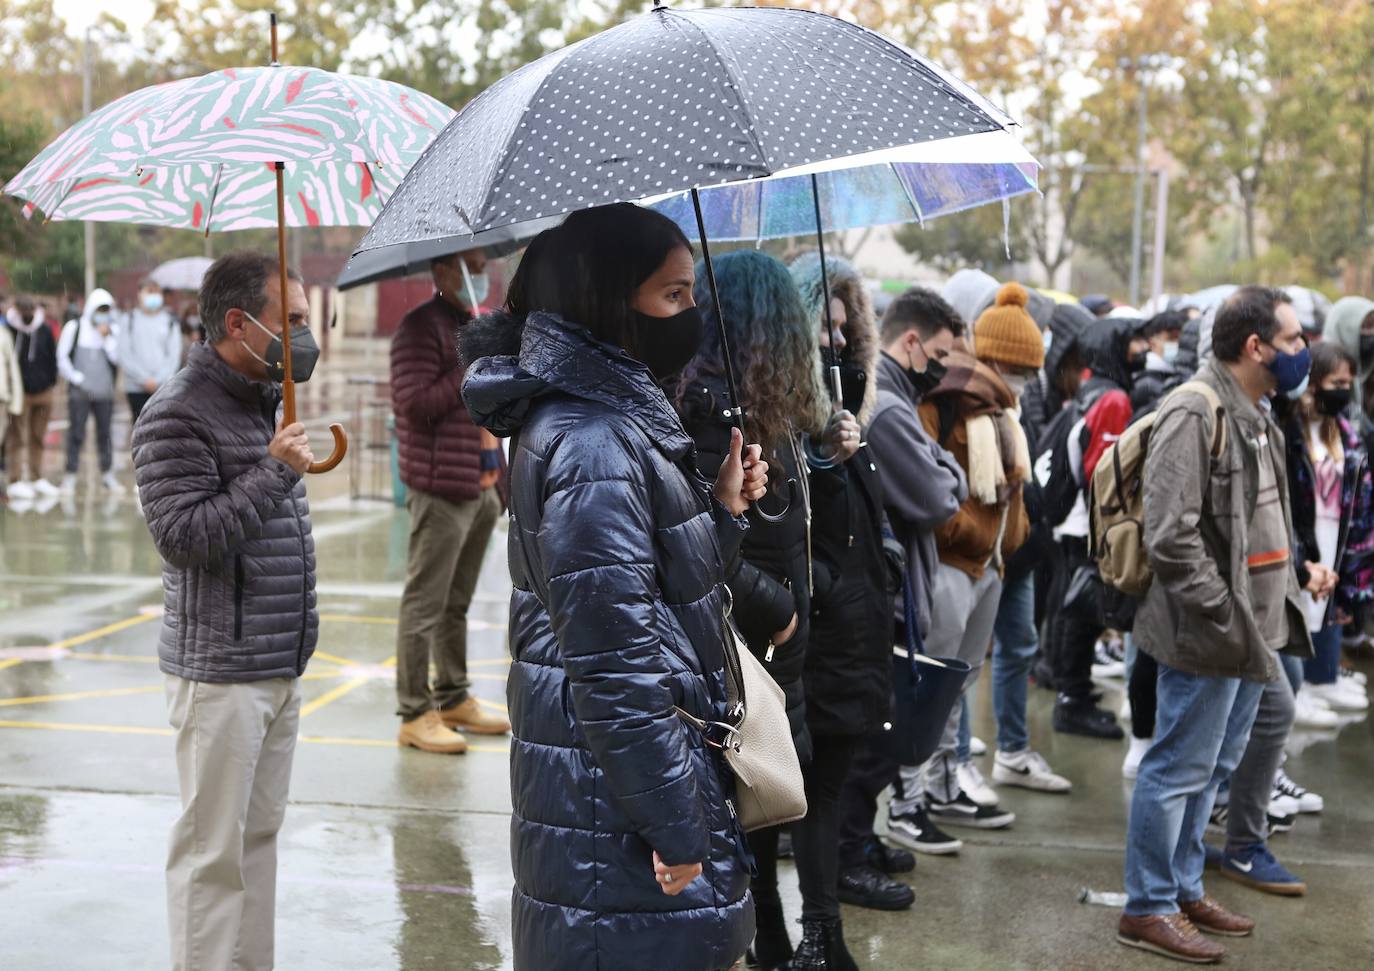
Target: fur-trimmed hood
(860, 331)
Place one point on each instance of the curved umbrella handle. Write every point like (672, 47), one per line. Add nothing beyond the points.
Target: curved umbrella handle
(340, 450)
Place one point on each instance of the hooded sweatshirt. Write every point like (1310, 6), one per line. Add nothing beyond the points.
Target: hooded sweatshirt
(970, 292)
(86, 359)
(11, 381)
(36, 349)
(1343, 328)
(149, 348)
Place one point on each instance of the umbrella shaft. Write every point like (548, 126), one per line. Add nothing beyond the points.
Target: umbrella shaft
(736, 409)
(288, 386)
(825, 293)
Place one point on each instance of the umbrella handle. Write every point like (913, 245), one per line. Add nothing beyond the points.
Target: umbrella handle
(337, 456)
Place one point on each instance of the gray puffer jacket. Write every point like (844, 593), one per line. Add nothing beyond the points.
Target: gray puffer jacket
(232, 525)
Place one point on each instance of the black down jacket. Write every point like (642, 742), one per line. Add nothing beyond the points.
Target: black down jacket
(616, 545)
(232, 525)
(770, 579)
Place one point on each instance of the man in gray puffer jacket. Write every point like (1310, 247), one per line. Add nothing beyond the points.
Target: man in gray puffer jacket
(222, 491)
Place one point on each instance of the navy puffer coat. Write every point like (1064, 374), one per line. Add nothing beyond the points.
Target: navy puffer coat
(616, 545)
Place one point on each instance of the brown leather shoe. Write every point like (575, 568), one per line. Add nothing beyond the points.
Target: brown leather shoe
(1210, 916)
(469, 716)
(1172, 935)
(428, 733)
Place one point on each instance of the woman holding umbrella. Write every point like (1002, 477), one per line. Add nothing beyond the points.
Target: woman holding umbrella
(625, 848)
(773, 343)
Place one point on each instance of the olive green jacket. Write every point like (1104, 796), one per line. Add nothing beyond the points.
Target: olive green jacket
(1198, 615)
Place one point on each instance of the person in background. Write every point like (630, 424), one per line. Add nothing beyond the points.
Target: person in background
(11, 399)
(623, 845)
(149, 347)
(87, 355)
(35, 351)
(1223, 604)
(1114, 352)
(848, 672)
(773, 343)
(1350, 324)
(922, 486)
(223, 492)
(1162, 332)
(451, 469)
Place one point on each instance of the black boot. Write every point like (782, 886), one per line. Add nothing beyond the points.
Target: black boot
(772, 947)
(822, 948)
(865, 886)
(1081, 716)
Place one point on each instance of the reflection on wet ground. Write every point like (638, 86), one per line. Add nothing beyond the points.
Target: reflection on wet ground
(391, 858)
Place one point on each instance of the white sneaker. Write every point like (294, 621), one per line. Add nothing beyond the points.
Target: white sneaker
(1109, 660)
(1308, 801)
(112, 484)
(1281, 805)
(1311, 712)
(44, 488)
(974, 785)
(1353, 680)
(1029, 770)
(1125, 715)
(1130, 766)
(1338, 697)
(977, 747)
(21, 490)
(68, 486)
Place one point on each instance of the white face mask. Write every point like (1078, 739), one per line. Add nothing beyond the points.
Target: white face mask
(101, 317)
(1017, 384)
(1170, 351)
(152, 302)
(475, 288)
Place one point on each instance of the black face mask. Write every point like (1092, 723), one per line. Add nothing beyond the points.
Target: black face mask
(1138, 361)
(924, 382)
(1366, 346)
(853, 381)
(304, 353)
(666, 345)
(1333, 401)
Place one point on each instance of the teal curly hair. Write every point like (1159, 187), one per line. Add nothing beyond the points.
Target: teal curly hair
(773, 345)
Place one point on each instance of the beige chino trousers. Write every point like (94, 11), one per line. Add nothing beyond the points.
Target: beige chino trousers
(234, 745)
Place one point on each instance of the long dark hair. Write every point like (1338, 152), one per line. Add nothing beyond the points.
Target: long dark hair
(587, 269)
(774, 344)
(1326, 357)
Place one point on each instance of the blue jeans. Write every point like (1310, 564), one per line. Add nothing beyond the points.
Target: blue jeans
(1292, 667)
(1201, 730)
(1015, 642)
(1325, 666)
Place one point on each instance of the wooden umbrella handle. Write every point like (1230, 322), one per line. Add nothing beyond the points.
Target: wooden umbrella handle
(340, 450)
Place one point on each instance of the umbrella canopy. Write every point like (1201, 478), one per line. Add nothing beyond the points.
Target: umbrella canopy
(199, 153)
(181, 274)
(933, 179)
(674, 100)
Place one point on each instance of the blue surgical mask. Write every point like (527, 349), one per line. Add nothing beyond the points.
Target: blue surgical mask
(101, 317)
(152, 302)
(1170, 354)
(1291, 370)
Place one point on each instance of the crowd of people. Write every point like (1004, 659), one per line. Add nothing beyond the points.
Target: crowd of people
(758, 457)
(102, 353)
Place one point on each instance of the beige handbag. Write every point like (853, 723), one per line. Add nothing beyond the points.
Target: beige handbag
(757, 741)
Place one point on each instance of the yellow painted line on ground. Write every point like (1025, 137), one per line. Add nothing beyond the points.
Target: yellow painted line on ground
(493, 705)
(103, 631)
(358, 619)
(140, 730)
(488, 677)
(490, 662)
(135, 658)
(332, 695)
(79, 696)
(97, 729)
(11, 663)
(335, 659)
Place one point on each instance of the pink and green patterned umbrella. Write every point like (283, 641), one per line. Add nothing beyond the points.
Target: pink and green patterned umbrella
(200, 153)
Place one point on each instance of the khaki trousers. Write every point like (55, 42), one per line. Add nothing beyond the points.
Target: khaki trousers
(234, 744)
(24, 437)
(448, 541)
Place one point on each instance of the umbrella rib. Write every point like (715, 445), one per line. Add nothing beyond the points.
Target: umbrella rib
(750, 131)
(214, 194)
(911, 200)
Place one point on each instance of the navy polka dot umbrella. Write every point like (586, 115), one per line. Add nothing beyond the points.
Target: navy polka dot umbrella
(672, 101)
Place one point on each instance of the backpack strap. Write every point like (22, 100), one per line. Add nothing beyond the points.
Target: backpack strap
(1218, 412)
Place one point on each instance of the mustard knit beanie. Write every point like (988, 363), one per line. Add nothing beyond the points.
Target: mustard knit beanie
(1005, 332)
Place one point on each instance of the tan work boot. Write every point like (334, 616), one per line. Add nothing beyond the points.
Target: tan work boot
(469, 716)
(428, 733)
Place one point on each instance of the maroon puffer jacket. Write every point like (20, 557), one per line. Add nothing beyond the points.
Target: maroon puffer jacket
(439, 445)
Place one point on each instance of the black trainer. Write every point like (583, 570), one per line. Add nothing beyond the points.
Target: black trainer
(863, 886)
(915, 831)
(1074, 717)
(889, 859)
(963, 811)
